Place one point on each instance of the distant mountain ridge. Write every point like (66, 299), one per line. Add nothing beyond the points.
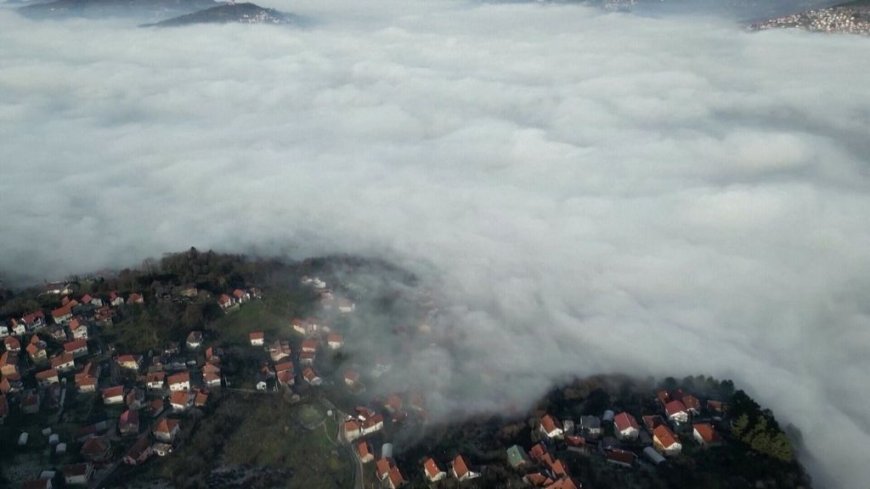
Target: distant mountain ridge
(852, 17)
(157, 9)
(242, 13)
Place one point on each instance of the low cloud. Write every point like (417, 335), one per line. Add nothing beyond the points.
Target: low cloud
(593, 192)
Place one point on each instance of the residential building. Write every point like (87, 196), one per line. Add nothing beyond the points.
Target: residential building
(78, 329)
(129, 362)
(625, 426)
(351, 378)
(460, 470)
(307, 358)
(692, 404)
(139, 452)
(96, 449)
(78, 474)
(9, 363)
(517, 457)
(279, 350)
(166, 429)
(113, 395)
(590, 426)
(334, 341)
(620, 457)
(309, 345)
(550, 427)
(351, 430)
(372, 424)
(433, 472)
(364, 451)
(705, 434)
(47, 377)
(62, 313)
(78, 348)
(257, 338)
(311, 377)
(11, 344)
(180, 400)
(63, 362)
(226, 302)
(155, 380)
(36, 350)
(665, 441)
(86, 379)
(179, 381)
(128, 423)
(676, 412)
(194, 340)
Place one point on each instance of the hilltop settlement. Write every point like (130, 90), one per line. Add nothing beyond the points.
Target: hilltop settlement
(209, 370)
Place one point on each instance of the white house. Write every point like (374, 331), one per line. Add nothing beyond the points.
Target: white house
(180, 400)
(307, 358)
(62, 314)
(166, 430)
(78, 474)
(665, 441)
(115, 300)
(364, 451)
(625, 426)
(705, 434)
(211, 379)
(460, 470)
(346, 306)
(78, 329)
(129, 362)
(351, 430)
(113, 395)
(311, 377)
(433, 472)
(258, 338)
(77, 347)
(155, 380)
(677, 412)
(309, 345)
(372, 424)
(194, 339)
(550, 427)
(63, 362)
(351, 378)
(179, 381)
(334, 341)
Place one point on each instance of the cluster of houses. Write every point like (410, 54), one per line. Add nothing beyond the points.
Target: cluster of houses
(280, 371)
(620, 438)
(144, 400)
(328, 300)
(237, 297)
(357, 427)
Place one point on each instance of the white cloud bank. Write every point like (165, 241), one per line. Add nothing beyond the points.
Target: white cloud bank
(601, 192)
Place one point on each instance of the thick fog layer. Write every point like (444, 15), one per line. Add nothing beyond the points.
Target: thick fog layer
(594, 192)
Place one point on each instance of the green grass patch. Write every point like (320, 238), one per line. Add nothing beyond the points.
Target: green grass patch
(259, 431)
(272, 315)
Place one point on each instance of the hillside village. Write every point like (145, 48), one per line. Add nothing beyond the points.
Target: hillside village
(86, 409)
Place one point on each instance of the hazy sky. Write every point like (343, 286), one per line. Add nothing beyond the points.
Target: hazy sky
(595, 192)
